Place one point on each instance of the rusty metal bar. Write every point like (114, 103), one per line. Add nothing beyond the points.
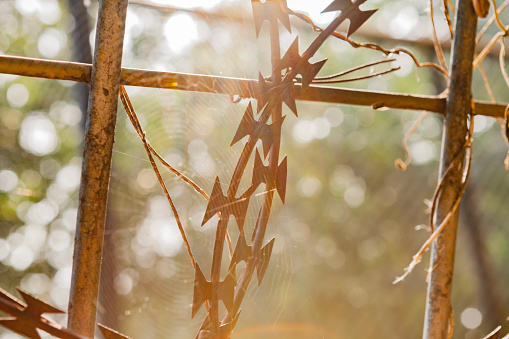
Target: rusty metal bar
(74, 71)
(438, 304)
(95, 176)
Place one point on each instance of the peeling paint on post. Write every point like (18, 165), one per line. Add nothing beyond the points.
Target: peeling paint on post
(458, 108)
(95, 176)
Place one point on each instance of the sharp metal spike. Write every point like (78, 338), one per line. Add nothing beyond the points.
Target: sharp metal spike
(281, 175)
(307, 70)
(238, 208)
(36, 307)
(358, 18)
(246, 126)
(338, 5)
(26, 318)
(204, 334)
(109, 333)
(259, 171)
(267, 134)
(205, 327)
(267, 138)
(202, 290)
(289, 99)
(216, 202)
(261, 174)
(226, 329)
(20, 326)
(263, 260)
(249, 126)
(309, 73)
(291, 56)
(9, 298)
(263, 89)
(270, 10)
(219, 203)
(227, 290)
(242, 251)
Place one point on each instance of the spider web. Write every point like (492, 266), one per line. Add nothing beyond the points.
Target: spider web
(192, 131)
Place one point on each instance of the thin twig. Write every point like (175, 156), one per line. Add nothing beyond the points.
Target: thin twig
(446, 4)
(351, 70)
(436, 43)
(493, 334)
(178, 173)
(436, 232)
(487, 48)
(497, 17)
(361, 77)
(403, 165)
(490, 21)
(501, 59)
(136, 124)
(486, 83)
(368, 45)
(450, 330)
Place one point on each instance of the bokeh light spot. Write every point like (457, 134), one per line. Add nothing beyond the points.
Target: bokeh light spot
(38, 135)
(51, 42)
(423, 151)
(69, 114)
(59, 240)
(42, 212)
(69, 177)
(36, 283)
(26, 7)
(123, 283)
(334, 116)
(309, 186)
(21, 258)
(471, 318)
(49, 12)
(302, 132)
(5, 249)
(8, 180)
(325, 247)
(354, 194)
(320, 128)
(17, 95)
(181, 31)
(358, 297)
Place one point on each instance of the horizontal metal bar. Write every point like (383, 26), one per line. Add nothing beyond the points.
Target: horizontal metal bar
(247, 88)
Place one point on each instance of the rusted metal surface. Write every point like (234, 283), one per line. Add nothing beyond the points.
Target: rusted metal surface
(438, 303)
(26, 318)
(98, 146)
(47, 69)
(246, 88)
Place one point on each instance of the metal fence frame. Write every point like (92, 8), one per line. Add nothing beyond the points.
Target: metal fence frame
(106, 75)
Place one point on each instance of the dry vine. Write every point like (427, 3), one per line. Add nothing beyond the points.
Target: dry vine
(368, 45)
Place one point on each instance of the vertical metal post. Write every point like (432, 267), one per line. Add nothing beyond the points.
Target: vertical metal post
(97, 152)
(438, 303)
